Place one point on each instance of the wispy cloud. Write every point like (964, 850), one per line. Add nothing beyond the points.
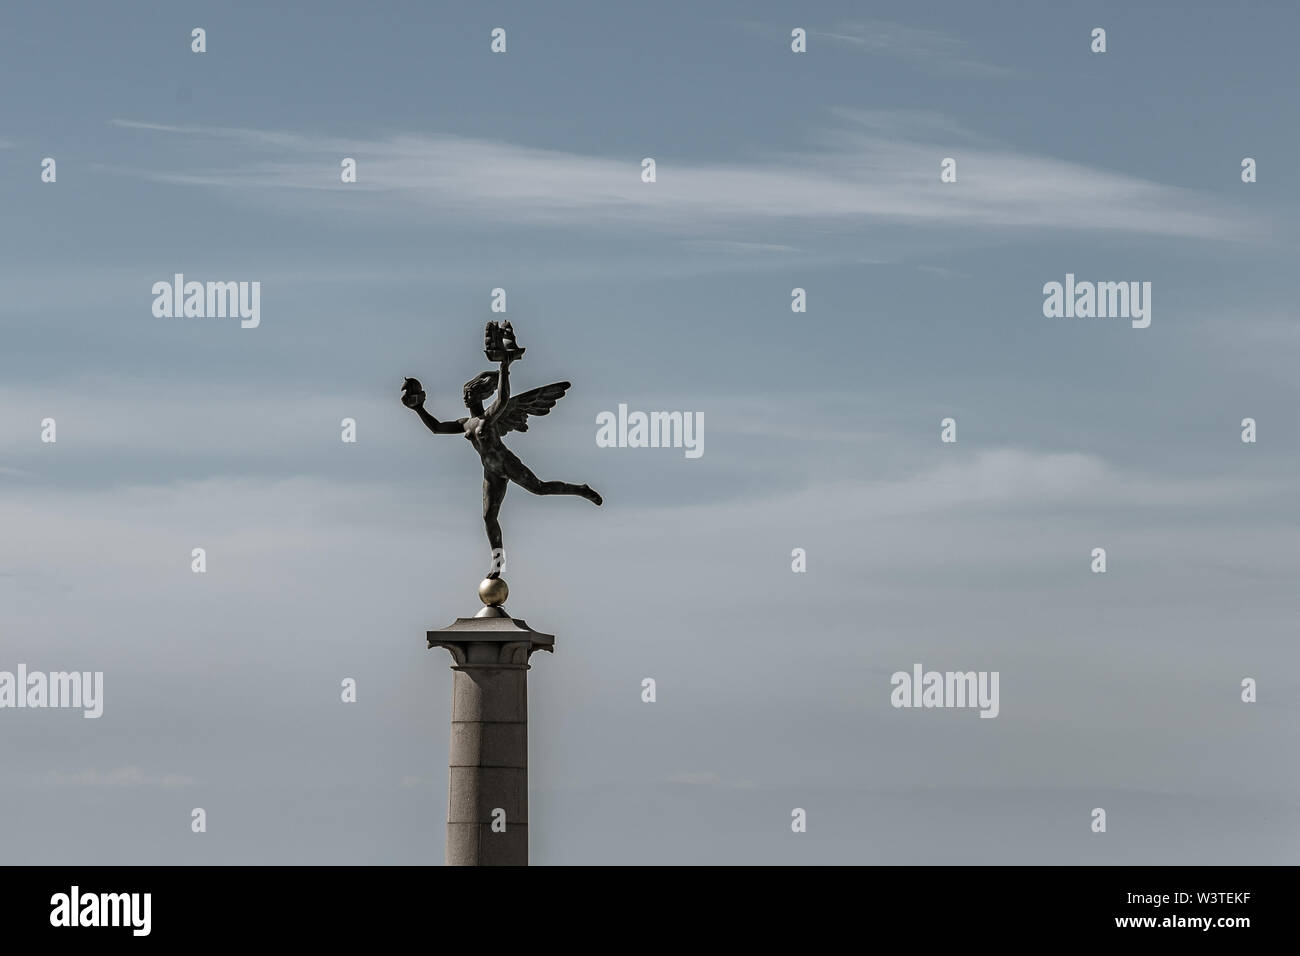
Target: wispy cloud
(943, 272)
(1029, 479)
(735, 247)
(708, 778)
(866, 168)
(117, 778)
(929, 49)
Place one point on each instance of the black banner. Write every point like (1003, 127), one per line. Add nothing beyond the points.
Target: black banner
(236, 904)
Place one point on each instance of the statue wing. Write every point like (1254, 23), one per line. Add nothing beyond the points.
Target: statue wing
(537, 401)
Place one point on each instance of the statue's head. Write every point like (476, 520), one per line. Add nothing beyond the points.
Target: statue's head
(479, 388)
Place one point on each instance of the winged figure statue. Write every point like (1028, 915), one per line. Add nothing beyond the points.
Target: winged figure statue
(484, 427)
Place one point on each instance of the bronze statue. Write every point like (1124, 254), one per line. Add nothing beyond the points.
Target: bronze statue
(484, 428)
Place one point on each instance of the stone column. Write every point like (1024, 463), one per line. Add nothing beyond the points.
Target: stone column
(488, 763)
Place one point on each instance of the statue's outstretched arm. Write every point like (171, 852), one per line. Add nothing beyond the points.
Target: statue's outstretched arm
(440, 428)
(413, 397)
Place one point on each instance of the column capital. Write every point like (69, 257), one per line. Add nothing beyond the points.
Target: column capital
(490, 642)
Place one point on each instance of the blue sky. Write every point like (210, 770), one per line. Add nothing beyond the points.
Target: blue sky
(775, 170)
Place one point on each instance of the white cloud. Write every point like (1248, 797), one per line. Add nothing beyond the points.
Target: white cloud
(929, 49)
(872, 167)
(995, 483)
(119, 777)
(735, 247)
(707, 778)
(942, 272)
(1025, 478)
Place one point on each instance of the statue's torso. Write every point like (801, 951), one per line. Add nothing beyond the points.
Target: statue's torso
(486, 440)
